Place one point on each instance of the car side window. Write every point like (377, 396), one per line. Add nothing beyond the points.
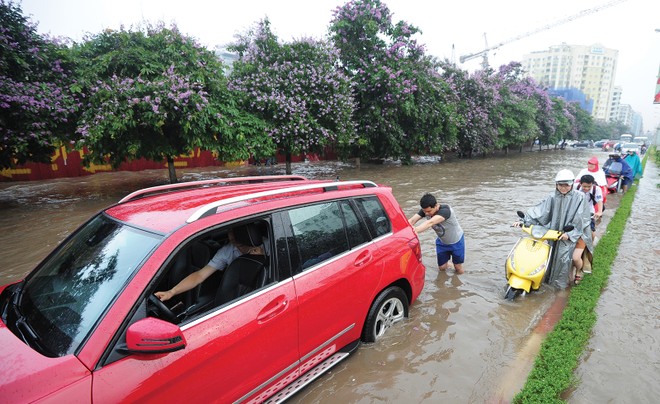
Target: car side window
(355, 228)
(374, 213)
(242, 273)
(318, 232)
(235, 261)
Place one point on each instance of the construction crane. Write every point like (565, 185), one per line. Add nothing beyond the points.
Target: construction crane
(484, 53)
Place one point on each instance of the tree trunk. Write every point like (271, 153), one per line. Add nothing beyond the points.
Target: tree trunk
(171, 170)
(288, 162)
(357, 162)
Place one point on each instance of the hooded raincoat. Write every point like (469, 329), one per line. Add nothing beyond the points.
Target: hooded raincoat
(635, 164)
(556, 211)
(595, 171)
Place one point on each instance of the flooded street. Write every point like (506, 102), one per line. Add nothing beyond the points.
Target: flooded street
(463, 342)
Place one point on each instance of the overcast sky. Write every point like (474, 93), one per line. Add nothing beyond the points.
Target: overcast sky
(449, 29)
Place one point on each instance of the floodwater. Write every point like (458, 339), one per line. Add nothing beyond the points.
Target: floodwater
(463, 342)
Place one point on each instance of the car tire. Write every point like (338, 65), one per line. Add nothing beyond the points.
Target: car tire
(389, 307)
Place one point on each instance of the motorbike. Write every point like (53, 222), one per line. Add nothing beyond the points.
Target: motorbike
(613, 177)
(613, 183)
(529, 259)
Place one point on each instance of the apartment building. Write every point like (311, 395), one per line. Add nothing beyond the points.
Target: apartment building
(625, 114)
(591, 69)
(614, 104)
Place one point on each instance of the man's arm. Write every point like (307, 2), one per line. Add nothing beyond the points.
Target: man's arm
(436, 219)
(414, 219)
(599, 202)
(187, 283)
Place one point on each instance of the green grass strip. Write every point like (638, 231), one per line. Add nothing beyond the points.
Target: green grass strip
(553, 370)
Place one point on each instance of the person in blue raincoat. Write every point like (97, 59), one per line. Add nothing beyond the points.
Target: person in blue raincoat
(635, 164)
(615, 165)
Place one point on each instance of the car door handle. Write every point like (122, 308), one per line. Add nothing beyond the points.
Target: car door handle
(363, 258)
(272, 309)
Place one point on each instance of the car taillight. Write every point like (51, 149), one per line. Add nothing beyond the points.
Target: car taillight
(416, 248)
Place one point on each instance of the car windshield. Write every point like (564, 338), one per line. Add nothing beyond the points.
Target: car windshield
(66, 296)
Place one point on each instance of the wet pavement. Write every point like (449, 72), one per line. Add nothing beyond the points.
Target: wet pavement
(622, 360)
(463, 342)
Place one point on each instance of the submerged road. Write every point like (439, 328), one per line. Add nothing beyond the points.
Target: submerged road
(463, 343)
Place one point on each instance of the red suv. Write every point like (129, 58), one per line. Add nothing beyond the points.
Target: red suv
(323, 266)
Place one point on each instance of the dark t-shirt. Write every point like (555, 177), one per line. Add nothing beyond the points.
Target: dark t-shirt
(449, 231)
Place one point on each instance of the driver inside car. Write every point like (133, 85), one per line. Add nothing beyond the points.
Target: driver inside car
(221, 260)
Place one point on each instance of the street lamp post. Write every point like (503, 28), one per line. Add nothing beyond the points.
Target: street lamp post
(657, 129)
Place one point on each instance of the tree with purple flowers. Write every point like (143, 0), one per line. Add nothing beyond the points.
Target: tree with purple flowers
(402, 105)
(565, 127)
(477, 96)
(520, 101)
(155, 93)
(36, 105)
(584, 123)
(297, 88)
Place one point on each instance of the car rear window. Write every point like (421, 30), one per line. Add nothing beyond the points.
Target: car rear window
(374, 213)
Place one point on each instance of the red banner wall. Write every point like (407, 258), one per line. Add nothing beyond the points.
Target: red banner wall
(68, 163)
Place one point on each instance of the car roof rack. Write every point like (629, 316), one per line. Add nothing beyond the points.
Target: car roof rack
(198, 184)
(211, 208)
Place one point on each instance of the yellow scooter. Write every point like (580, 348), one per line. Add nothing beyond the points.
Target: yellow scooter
(528, 261)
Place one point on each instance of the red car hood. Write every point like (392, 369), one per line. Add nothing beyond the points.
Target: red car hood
(26, 375)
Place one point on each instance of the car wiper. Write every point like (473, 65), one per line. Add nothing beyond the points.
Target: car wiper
(14, 318)
(27, 333)
(9, 301)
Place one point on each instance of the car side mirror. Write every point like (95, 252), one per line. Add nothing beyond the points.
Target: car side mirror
(153, 335)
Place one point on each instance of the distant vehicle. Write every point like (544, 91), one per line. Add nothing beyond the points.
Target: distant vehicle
(630, 146)
(583, 143)
(609, 145)
(641, 140)
(625, 138)
(600, 143)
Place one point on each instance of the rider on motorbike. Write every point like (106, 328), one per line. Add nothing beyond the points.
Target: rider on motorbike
(611, 167)
(563, 207)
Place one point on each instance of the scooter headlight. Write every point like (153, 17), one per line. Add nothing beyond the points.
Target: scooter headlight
(537, 270)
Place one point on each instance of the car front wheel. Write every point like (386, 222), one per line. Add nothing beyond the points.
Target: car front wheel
(390, 307)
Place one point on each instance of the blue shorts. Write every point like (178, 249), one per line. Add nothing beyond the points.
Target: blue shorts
(454, 251)
(626, 181)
